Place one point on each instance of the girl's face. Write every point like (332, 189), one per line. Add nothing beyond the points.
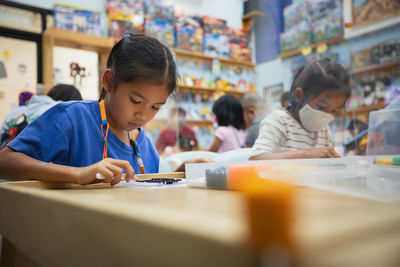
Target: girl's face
(328, 101)
(131, 105)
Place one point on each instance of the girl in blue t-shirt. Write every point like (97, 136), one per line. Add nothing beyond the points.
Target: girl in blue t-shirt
(74, 141)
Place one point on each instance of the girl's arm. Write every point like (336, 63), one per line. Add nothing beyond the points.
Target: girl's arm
(320, 152)
(16, 165)
(215, 144)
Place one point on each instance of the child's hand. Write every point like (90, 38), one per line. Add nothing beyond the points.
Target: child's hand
(321, 152)
(110, 168)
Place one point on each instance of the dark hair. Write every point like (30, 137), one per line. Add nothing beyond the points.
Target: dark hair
(285, 97)
(229, 111)
(181, 111)
(320, 76)
(137, 57)
(64, 92)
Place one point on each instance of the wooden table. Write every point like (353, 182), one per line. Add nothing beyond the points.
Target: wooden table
(66, 225)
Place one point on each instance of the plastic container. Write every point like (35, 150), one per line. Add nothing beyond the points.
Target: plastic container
(371, 177)
(384, 132)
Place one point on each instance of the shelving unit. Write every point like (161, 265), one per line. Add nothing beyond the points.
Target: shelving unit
(361, 70)
(57, 37)
(190, 89)
(203, 56)
(312, 46)
(361, 112)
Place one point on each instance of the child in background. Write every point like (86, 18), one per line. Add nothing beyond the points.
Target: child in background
(230, 133)
(319, 90)
(21, 116)
(73, 141)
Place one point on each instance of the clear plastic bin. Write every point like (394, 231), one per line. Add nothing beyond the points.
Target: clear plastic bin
(384, 132)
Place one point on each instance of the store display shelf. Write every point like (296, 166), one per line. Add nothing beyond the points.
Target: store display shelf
(80, 40)
(186, 88)
(199, 122)
(201, 55)
(376, 67)
(312, 46)
(365, 109)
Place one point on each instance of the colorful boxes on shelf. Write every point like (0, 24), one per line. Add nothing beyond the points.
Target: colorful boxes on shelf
(160, 22)
(121, 23)
(309, 22)
(189, 32)
(239, 44)
(80, 20)
(127, 6)
(163, 31)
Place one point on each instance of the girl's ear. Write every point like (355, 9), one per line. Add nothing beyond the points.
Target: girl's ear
(107, 80)
(298, 95)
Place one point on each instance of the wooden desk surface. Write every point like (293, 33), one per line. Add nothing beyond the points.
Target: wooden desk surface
(179, 226)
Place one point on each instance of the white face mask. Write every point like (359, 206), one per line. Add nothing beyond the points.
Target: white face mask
(314, 120)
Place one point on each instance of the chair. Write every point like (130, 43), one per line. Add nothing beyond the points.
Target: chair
(241, 154)
(175, 160)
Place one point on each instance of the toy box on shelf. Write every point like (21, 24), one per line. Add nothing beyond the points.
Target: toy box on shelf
(80, 20)
(312, 21)
(127, 6)
(163, 31)
(383, 53)
(216, 41)
(160, 22)
(121, 23)
(155, 9)
(319, 9)
(189, 32)
(214, 25)
(328, 27)
(216, 45)
(295, 14)
(295, 37)
(376, 73)
(239, 44)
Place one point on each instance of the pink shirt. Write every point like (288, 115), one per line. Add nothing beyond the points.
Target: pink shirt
(231, 138)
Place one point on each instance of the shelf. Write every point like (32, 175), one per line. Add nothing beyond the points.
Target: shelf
(234, 92)
(80, 40)
(365, 109)
(195, 88)
(248, 19)
(188, 121)
(192, 54)
(200, 122)
(209, 90)
(203, 56)
(360, 70)
(237, 62)
(312, 46)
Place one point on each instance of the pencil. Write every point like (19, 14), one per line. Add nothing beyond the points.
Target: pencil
(149, 176)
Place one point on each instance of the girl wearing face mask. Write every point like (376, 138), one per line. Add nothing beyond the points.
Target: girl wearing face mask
(319, 90)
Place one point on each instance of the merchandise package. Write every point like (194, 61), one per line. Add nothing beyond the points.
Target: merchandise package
(80, 20)
(163, 31)
(239, 44)
(127, 6)
(216, 45)
(189, 32)
(121, 23)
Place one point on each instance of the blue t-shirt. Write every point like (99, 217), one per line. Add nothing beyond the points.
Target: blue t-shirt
(69, 134)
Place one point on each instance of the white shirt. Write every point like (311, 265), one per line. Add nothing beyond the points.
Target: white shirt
(280, 132)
